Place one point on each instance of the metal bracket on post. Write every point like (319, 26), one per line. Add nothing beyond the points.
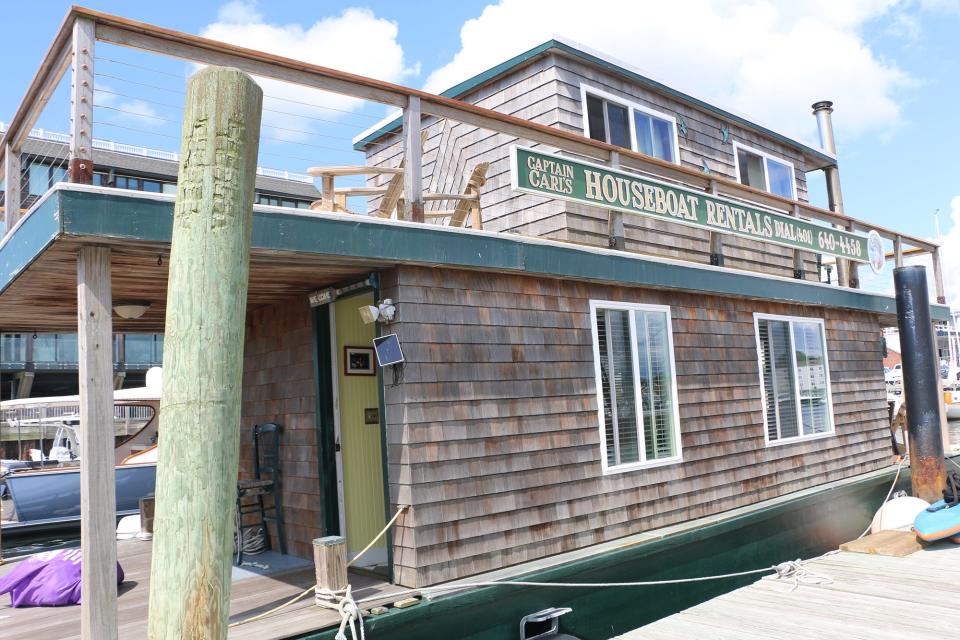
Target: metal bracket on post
(716, 239)
(616, 235)
(81, 98)
(412, 162)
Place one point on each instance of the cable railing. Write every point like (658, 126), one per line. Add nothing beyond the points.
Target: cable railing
(147, 152)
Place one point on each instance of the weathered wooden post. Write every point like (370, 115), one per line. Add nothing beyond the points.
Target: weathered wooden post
(98, 498)
(203, 358)
(921, 382)
(330, 564)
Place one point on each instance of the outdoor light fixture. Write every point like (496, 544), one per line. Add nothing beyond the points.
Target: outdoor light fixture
(384, 312)
(131, 309)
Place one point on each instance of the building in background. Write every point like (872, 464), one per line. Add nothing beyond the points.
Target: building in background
(34, 363)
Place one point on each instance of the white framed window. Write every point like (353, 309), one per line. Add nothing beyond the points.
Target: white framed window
(608, 118)
(636, 381)
(763, 171)
(794, 378)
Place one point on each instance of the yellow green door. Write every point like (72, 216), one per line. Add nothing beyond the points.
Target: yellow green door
(358, 425)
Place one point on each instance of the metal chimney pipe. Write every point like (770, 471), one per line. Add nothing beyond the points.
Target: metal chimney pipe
(822, 111)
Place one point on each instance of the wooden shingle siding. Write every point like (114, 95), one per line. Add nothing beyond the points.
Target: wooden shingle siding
(547, 91)
(279, 386)
(493, 435)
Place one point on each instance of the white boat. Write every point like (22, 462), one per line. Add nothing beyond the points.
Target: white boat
(42, 486)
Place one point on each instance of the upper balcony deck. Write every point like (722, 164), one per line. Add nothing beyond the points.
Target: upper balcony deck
(425, 168)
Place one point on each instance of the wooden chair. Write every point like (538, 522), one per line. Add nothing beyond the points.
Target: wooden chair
(468, 203)
(265, 481)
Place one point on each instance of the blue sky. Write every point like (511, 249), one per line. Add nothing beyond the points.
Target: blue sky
(891, 67)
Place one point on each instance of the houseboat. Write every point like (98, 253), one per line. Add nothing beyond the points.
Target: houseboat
(616, 356)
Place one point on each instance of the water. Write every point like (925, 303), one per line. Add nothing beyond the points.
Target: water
(26, 546)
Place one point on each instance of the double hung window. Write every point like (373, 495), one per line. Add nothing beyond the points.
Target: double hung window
(762, 171)
(794, 377)
(629, 125)
(636, 385)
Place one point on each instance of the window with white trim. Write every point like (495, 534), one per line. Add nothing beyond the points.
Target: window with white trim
(794, 378)
(636, 385)
(629, 125)
(763, 171)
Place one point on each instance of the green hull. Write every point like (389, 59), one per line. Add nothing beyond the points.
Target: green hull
(800, 528)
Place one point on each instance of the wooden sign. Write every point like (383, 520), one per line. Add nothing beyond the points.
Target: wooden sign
(553, 176)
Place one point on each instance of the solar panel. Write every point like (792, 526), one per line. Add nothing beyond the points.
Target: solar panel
(388, 350)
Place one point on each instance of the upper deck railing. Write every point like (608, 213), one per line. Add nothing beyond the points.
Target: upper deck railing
(73, 47)
(148, 152)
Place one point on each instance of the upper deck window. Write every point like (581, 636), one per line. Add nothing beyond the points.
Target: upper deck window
(636, 385)
(763, 171)
(40, 177)
(629, 125)
(794, 378)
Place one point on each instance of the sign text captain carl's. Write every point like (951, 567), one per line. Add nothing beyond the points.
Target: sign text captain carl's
(550, 175)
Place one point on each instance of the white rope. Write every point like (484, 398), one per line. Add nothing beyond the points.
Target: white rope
(313, 589)
(797, 570)
(343, 603)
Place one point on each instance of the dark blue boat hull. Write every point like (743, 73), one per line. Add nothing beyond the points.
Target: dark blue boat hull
(50, 500)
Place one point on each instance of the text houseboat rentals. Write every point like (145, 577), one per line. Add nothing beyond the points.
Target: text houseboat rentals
(616, 357)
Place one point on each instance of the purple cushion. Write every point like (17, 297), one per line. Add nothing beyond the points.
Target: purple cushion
(49, 579)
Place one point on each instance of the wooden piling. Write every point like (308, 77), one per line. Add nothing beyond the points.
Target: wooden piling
(330, 563)
(203, 358)
(98, 498)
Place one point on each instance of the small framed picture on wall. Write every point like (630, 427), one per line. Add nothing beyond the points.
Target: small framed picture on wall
(359, 361)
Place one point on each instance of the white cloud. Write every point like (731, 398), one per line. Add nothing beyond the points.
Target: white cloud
(950, 256)
(134, 110)
(355, 41)
(768, 61)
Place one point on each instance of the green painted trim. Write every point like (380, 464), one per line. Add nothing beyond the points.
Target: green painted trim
(37, 232)
(93, 214)
(384, 462)
(326, 431)
(459, 90)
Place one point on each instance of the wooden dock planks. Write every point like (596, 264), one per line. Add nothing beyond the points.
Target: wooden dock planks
(871, 596)
(249, 597)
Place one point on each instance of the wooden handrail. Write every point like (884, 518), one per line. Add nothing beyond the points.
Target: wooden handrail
(135, 34)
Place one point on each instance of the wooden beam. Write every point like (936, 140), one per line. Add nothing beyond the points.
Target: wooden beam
(716, 239)
(938, 277)
(797, 254)
(44, 83)
(81, 101)
(853, 268)
(616, 235)
(203, 357)
(413, 163)
(12, 181)
(98, 503)
(363, 170)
